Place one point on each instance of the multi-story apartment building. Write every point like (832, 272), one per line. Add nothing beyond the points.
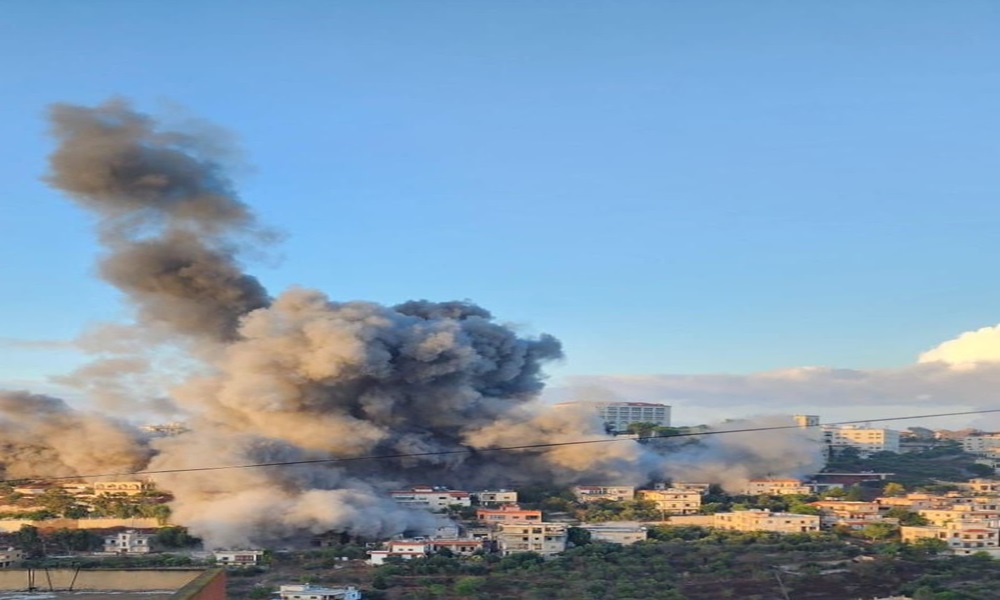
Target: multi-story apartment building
(984, 486)
(495, 497)
(125, 488)
(847, 512)
(546, 539)
(10, 557)
(672, 501)
(617, 416)
(593, 493)
(962, 538)
(239, 557)
(404, 549)
(508, 513)
(985, 443)
(867, 440)
(431, 497)
(806, 420)
(616, 532)
(765, 520)
(775, 487)
(128, 542)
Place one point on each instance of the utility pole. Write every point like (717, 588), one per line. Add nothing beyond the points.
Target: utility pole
(781, 584)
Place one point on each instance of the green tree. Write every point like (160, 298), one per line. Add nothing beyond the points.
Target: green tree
(894, 489)
(879, 531)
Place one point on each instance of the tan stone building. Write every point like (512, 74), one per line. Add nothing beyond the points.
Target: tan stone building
(544, 538)
(765, 520)
(776, 487)
(962, 538)
(673, 501)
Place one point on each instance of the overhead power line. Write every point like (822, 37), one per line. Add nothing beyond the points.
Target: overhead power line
(315, 461)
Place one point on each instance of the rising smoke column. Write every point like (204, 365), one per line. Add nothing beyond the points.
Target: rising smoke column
(166, 213)
(302, 376)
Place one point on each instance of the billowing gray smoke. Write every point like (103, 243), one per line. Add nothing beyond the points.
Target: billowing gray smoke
(294, 377)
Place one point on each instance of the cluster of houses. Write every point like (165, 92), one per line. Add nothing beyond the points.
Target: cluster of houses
(968, 521)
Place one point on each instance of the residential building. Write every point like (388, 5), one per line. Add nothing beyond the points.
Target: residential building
(806, 420)
(239, 557)
(308, 591)
(495, 497)
(616, 532)
(984, 486)
(617, 416)
(846, 512)
(431, 497)
(962, 538)
(914, 502)
(10, 557)
(458, 546)
(593, 493)
(765, 520)
(508, 513)
(127, 488)
(700, 487)
(673, 501)
(128, 542)
(985, 443)
(776, 487)
(867, 440)
(404, 549)
(546, 539)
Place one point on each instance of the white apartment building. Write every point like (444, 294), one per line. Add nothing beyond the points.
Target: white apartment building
(765, 520)
(987, 443)
(775, 487)
(308, 591)
(673, 501)
(128, 542)
(10, 557)
(867, 440)
(619, 415)
(546, 539)
(239, 557)
(616, 532)
(594, 493)
(431, 497)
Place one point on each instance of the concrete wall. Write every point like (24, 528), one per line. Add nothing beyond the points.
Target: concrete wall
(12, 525)
(99, 579)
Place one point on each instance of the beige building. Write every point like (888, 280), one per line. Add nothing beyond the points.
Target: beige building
(616, 532)
(765, 520)
(127, 488)
(867, 440)
(546, 539)
(239, 557)
(673, 501)
(593, 493)
(962, 538)
(308, 591)
(495, 497)
(776, 487)
(508, 513)
(10, 557)
(846, 512)
(806, 420)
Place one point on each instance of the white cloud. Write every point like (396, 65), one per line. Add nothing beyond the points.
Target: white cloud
(959, 375)
(968, 350)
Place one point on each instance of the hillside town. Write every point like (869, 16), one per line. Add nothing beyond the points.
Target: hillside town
(130, 519)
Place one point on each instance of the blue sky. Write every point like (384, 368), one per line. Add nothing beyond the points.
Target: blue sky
(669, 187)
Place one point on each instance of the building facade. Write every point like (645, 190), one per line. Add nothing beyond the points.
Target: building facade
(431, 497)
(128, 542)
(765, 520)
(616, 533)
(546, 539)
(240, 558)
(673, 501)
(508, 513)
(594, 493)
(308, 591)
(867, 440)
(775, 487)
(495, 497)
